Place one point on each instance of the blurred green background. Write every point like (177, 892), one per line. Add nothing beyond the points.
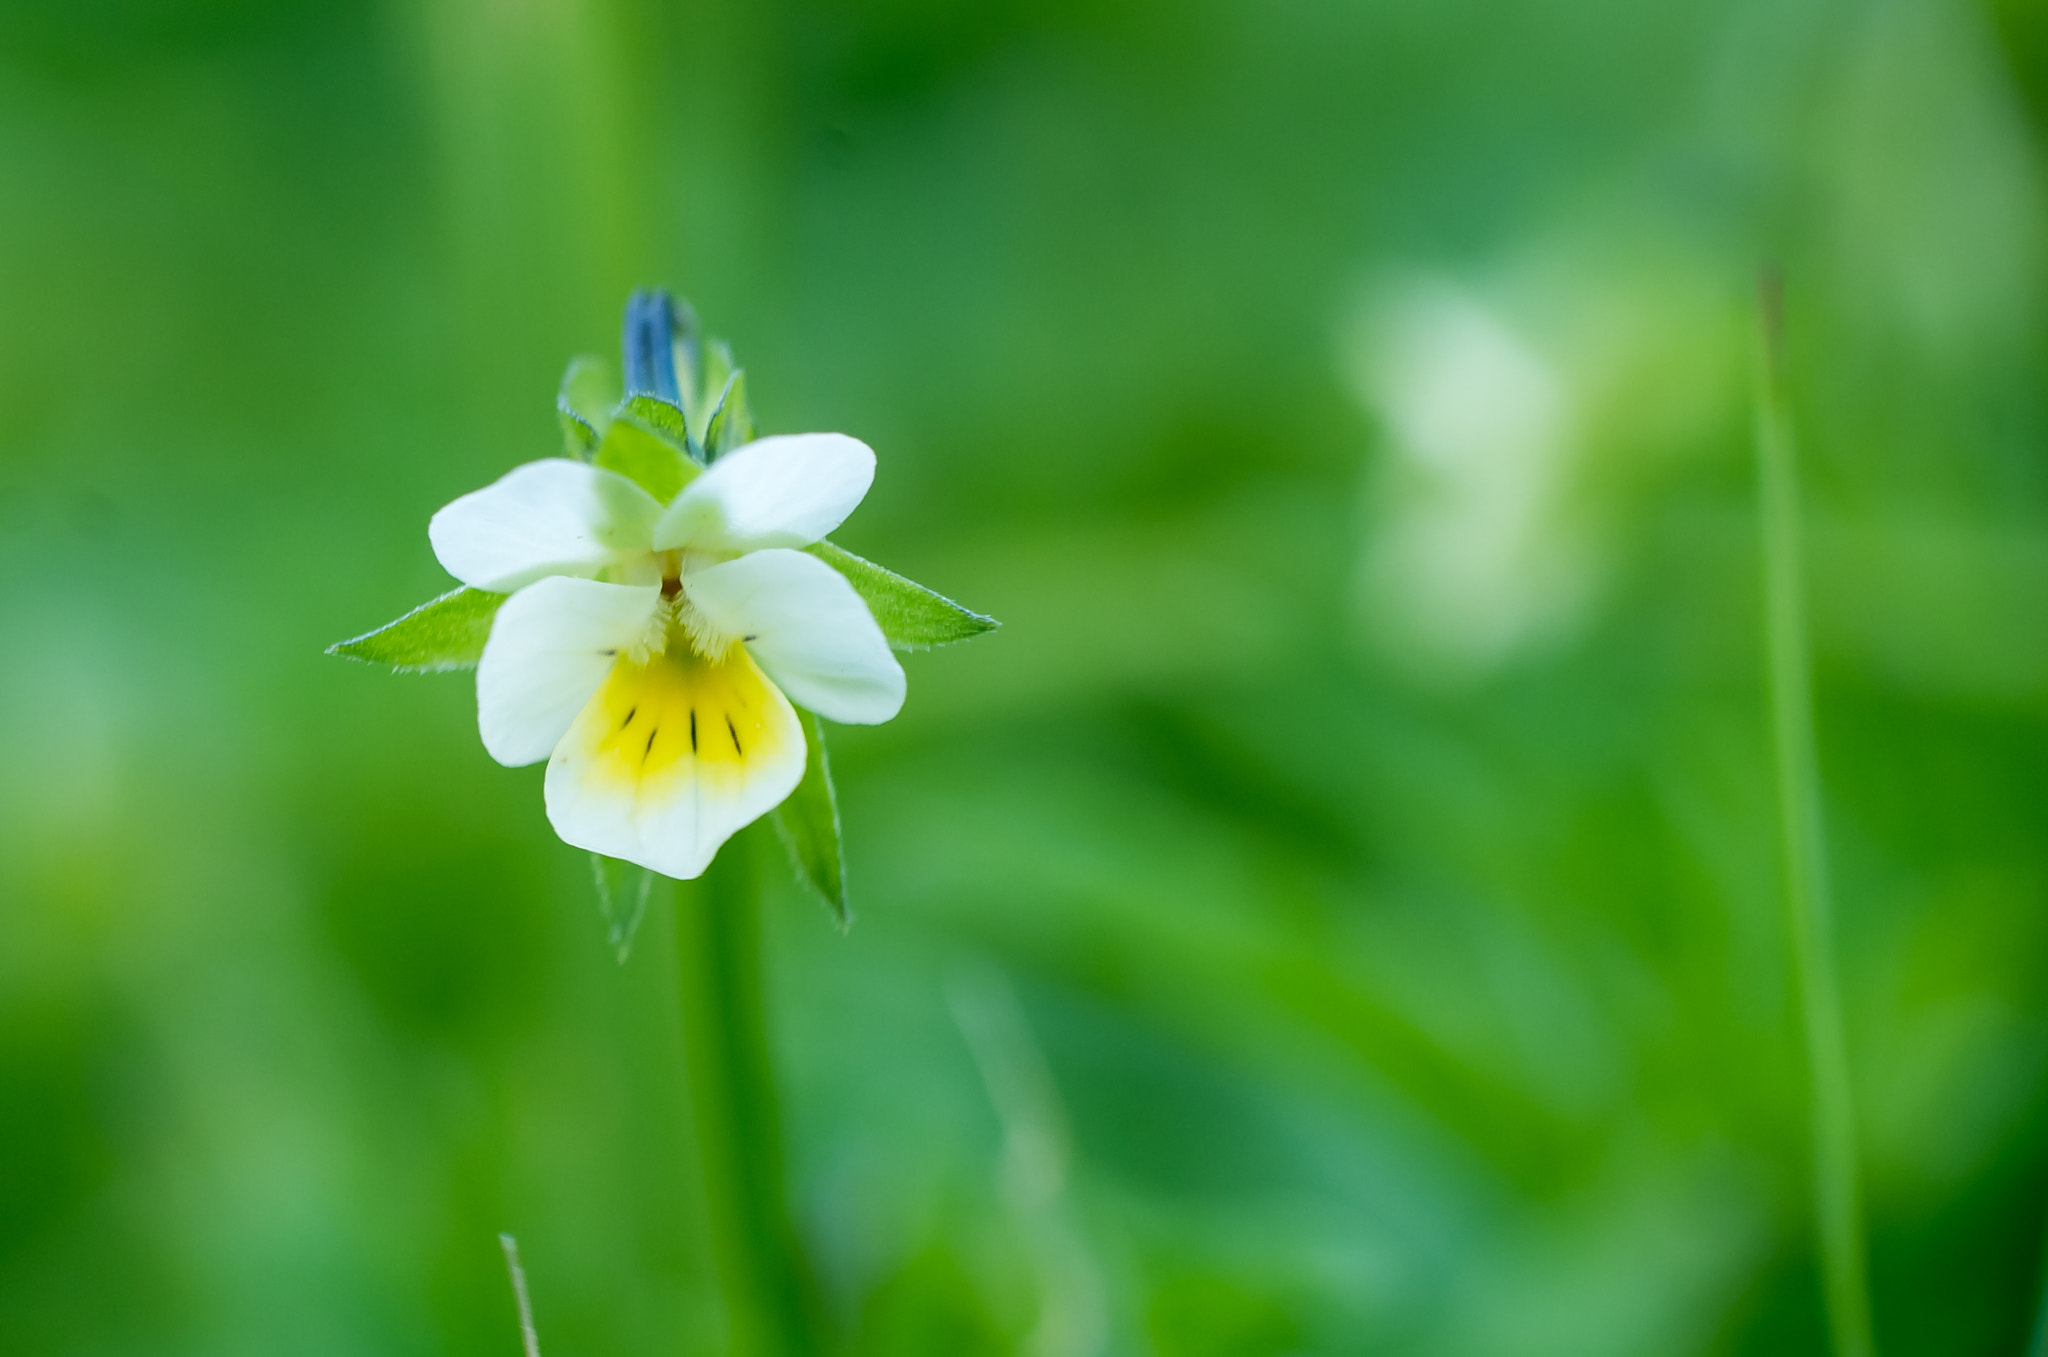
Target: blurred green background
(1337, 914)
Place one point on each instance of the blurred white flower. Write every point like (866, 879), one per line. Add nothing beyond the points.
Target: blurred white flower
(650, 652)
(1465, 563)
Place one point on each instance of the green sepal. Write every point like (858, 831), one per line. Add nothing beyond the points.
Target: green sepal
(645, 456)
(447, 633)
(808, 825)
(911, 616)
(622, 891)
(579, 440)
(665, 418)
(703, 384)
(732, 422)
(583, 405)
(687, 349)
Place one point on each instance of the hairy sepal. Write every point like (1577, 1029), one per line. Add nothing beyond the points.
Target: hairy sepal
(710, 369)
(910, 615)
(583, 405)
(666, 419)
(445, 634)
(732, 423)
(808, 825)
(645, 455)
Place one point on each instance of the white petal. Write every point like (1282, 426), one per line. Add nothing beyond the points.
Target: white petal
(786, 491)
(555, 517)
(550, 647)
(671, 758)
(808, 628)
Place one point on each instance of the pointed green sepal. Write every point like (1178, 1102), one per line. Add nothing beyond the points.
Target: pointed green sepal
(447, 633)
(589, 390)
(645, 455)
(622, 891)
(579, 440)
(808, 825)
(686, 350)
(583, 405)
(910, 615)
(732, 423)
(665, 418)
(711, 367)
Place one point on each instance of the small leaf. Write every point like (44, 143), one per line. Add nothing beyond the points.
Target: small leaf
(447, 633)
(645, 456)
(808, 824)
(910, 615)
(732, 423)
(664, 417)
(622, 891)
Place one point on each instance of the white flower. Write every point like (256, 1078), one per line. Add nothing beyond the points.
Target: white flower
(650, 653)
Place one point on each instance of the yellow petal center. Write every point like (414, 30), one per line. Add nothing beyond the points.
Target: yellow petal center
(678, 707)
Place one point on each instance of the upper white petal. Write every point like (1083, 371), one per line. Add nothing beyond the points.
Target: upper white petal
(555, 517)
(808, 628)
(550, 647)
(786, 491)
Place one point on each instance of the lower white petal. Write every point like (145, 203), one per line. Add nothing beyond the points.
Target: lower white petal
(671, 758)
(808, 628)
(550, 647)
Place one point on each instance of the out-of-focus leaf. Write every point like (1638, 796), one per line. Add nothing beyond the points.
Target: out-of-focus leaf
(622, 892)
(686, 348)
(910, 615)
(664, 417)
(588, 391)
(446, 633)
(706, 385)
(645, 456)
(808, 824)
(583, 405)
(579, 440)
(732, 422)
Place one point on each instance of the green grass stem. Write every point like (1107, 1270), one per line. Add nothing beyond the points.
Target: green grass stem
(762, 1279)
(529, 1341)
(1837, 1195)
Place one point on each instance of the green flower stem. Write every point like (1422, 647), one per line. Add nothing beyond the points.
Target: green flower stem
(732, 1096)
(1837, 1196)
